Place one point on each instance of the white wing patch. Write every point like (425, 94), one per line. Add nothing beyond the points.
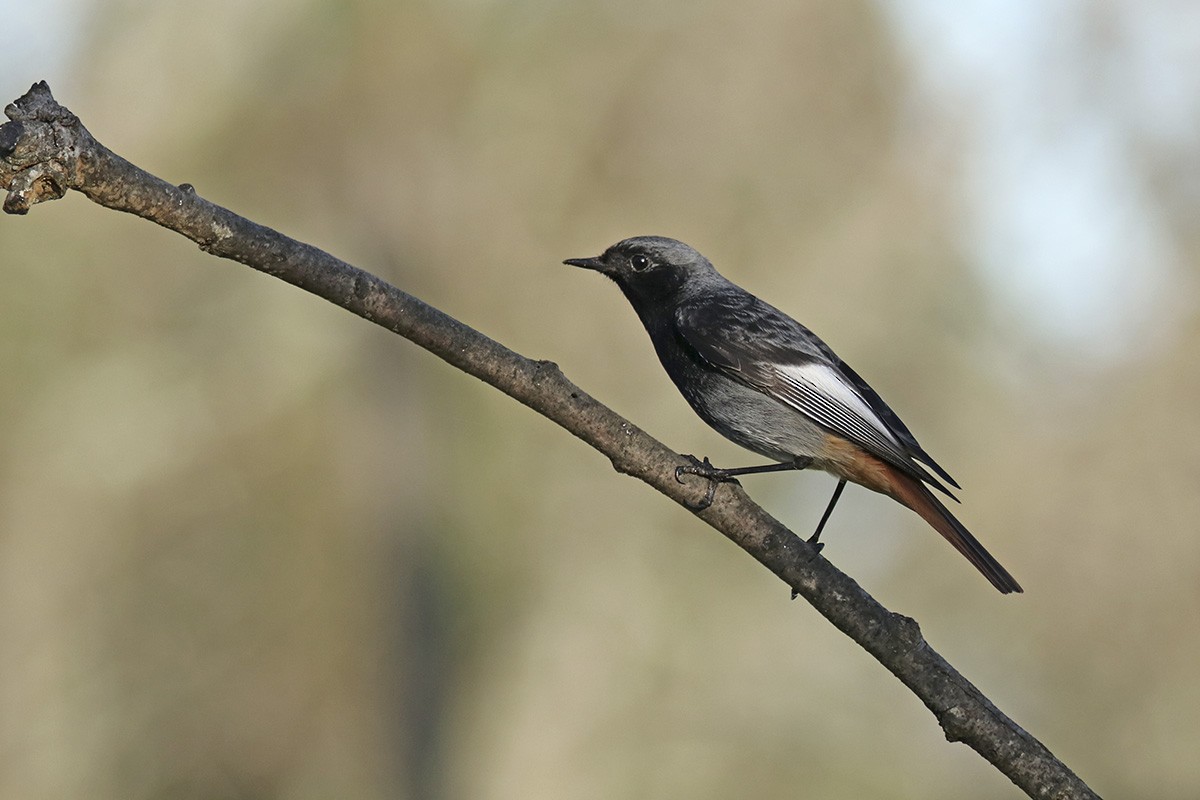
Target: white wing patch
(817, 390)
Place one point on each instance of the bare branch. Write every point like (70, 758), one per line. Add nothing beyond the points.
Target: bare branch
(46, 151)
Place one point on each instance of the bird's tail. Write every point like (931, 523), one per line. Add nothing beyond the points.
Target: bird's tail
(916, 496)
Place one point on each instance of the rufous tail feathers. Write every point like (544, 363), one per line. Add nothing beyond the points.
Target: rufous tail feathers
(847, 460)
(917, 496)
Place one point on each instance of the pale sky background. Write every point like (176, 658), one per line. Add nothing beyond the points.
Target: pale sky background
(1054, 217)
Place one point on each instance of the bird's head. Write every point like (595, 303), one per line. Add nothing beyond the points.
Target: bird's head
(652, 270)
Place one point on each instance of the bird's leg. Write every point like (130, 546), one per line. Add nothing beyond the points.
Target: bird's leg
(705, 469)
(814, 539)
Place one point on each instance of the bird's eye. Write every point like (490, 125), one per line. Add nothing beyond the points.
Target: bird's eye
(639, 262)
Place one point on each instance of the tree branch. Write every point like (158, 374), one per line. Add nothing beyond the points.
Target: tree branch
(46, 151)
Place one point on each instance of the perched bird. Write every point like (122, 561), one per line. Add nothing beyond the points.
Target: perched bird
(771, 385)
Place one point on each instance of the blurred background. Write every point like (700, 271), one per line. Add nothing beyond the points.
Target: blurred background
(254, 547)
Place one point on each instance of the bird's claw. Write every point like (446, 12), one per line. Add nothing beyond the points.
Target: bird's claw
(817, 548)
(697, 467)
(703, 469)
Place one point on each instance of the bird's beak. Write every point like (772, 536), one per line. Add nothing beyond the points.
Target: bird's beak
(586, 263)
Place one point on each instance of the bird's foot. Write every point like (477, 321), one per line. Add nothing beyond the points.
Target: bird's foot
(817, 547)
(704, 469)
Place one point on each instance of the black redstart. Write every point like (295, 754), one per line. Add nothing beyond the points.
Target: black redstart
(770, 384)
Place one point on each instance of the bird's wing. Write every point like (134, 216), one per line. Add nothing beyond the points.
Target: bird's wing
(893, 422)
(762, 347)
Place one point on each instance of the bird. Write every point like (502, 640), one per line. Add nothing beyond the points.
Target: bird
(769, 384)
